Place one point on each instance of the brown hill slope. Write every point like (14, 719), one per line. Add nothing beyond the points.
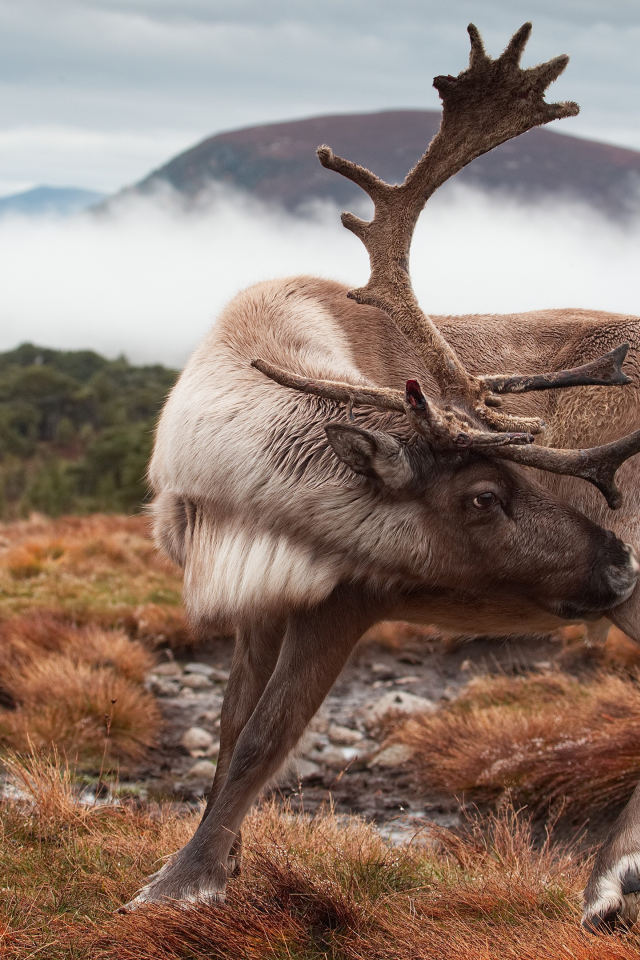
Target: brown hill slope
(277, 162)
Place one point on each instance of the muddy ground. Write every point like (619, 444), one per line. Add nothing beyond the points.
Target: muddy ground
(342, 758)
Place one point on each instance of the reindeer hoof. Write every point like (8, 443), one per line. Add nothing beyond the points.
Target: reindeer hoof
(189, 901)
(604, 922)
(617, 901)
(175, 886)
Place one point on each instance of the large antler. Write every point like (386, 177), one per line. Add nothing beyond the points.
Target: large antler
(485, 105)
(492, 101)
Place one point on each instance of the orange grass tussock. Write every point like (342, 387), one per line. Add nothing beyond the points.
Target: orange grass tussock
(84, 602)
(325, 886)
(548, 739)
(67, 708)
(62, 681)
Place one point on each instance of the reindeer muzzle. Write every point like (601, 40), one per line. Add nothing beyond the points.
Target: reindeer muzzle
(613, 579)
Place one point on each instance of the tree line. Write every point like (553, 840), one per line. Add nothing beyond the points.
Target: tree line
(76, 430)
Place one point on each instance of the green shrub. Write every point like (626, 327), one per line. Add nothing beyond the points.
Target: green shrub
(76, 430)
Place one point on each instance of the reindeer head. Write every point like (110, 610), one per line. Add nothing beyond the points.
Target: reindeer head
(462, 435)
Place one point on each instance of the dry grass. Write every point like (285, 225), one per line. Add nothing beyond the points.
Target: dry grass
(63, 682)
(549, 739)
(64, 865)
(67, 709)
(24, 640)
(321, 887)
(98, 569)
(84, 602)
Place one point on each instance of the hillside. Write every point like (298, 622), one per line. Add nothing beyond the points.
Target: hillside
(76, 430)
(277, 163)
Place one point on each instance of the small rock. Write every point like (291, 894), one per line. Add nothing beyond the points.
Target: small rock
(170, 669)
(220, 676)
(202, 668)
(211, 751)
(379, 668)
(394, 755)
(466, 666)
(195, 681)
(338, 758)
(397, 701)
(320, 723)
(202, 770)
(305, 769)
(344, 736)
(210, 717)
(408, 679)
(189, 791)
(163, 688)
(311, 743)
(196, 738)
(382, 671)
(334, 757)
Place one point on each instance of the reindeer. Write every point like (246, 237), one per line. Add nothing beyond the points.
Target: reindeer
(309, 489)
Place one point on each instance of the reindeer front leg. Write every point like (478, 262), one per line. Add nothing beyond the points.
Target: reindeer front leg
(316, 646)
(612, 895)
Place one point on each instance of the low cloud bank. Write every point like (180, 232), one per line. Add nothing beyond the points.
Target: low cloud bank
(149, 279)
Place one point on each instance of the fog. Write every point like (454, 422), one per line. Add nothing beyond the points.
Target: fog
(149, 279)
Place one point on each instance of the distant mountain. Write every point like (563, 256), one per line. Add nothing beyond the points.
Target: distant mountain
(49, 201)
(277, 163)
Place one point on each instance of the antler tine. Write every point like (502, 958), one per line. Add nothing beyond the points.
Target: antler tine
(606, 371)
(380, 397)
(546, 73)
(515, 48)
(490, 102)
(477, 54)
(369, 182)
(598, 465)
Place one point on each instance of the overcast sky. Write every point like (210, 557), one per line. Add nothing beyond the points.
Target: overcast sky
(95, 93)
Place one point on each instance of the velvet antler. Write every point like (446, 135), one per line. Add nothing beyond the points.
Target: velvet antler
(490, 102)
(485, 105)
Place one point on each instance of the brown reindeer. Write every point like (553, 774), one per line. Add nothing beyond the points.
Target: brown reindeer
(309, 489)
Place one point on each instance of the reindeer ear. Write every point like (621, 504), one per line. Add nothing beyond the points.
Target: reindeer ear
(371, 453)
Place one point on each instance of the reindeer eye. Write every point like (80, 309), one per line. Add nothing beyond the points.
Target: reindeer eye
(485, 500)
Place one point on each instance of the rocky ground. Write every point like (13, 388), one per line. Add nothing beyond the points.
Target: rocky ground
(343, 757)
